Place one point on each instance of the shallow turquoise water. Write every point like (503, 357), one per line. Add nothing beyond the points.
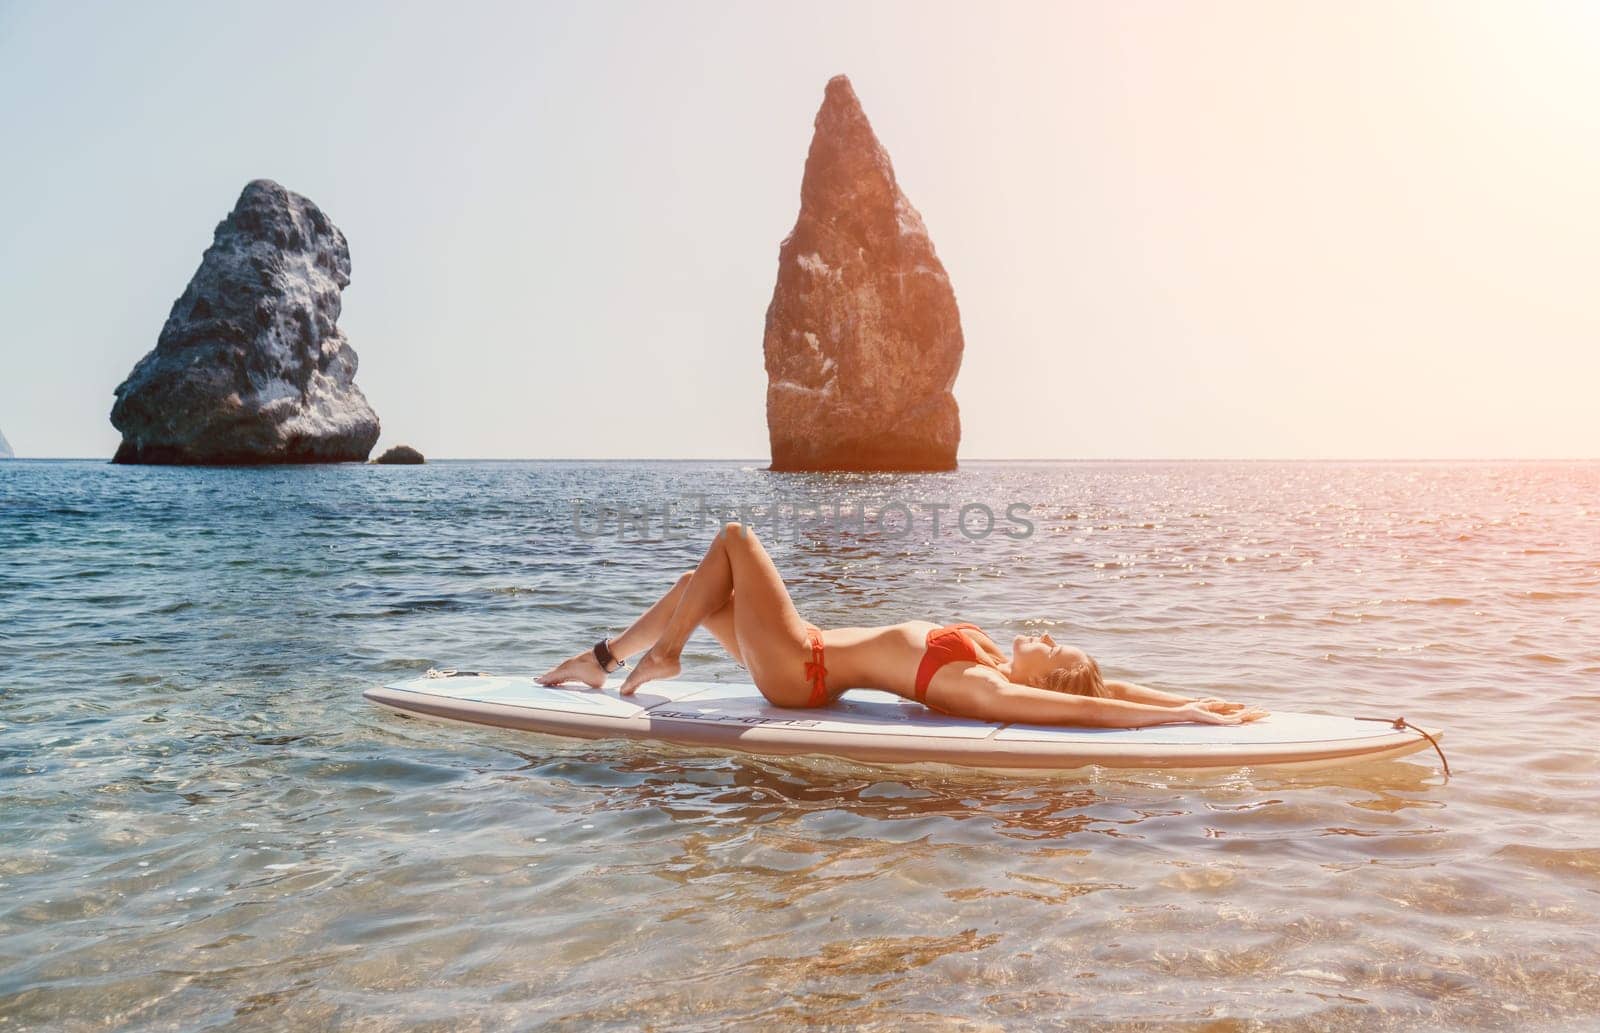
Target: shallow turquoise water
(202, 825)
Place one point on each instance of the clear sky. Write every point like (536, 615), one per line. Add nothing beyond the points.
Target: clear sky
(1272, 229)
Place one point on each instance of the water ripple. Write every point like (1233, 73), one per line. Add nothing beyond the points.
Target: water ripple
(203, 825)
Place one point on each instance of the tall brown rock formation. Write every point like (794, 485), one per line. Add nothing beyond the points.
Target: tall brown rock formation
(863, 338)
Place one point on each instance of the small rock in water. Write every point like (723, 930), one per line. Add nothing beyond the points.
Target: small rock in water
(401, 455)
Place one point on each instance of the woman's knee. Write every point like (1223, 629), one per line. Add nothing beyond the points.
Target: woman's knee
(737, 532)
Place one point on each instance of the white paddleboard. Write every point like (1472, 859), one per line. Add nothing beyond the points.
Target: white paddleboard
(882, 728)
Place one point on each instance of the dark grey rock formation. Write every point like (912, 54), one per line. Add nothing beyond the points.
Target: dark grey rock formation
(401, 455)
(251, 366)
(863, 338)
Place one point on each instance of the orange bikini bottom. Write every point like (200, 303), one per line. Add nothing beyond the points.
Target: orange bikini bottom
(816, 673)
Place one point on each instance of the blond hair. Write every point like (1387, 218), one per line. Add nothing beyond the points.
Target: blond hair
(1079, 678)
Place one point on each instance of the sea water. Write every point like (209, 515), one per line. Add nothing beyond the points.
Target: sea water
(202, 825)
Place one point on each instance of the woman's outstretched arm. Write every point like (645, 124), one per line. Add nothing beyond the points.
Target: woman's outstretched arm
(1157, 698)
(1127, 690)
(984, 696)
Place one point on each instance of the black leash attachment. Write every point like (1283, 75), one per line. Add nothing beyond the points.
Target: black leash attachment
(602, 653)
(1400, 724)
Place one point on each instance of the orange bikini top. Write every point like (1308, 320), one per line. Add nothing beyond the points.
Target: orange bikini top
(947, 645)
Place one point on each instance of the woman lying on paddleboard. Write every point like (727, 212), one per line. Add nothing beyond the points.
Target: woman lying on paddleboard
(737, 595)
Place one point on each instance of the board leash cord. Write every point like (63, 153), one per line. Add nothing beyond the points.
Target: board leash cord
(1400, 724)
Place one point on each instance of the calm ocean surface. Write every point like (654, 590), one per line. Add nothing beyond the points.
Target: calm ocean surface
(203, 826)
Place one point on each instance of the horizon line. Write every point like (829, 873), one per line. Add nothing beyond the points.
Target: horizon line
(768, 460)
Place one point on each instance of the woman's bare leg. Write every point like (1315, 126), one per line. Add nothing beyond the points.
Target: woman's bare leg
(641, 635)
(770, 635)
(722, 624)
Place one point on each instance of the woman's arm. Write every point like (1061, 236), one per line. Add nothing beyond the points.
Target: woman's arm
(1126, 690)
(981, 694)
(1157, 698)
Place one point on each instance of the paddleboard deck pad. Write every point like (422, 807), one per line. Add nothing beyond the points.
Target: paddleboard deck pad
(882, 728)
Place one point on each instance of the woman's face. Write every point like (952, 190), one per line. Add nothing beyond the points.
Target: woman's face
(1034, 656)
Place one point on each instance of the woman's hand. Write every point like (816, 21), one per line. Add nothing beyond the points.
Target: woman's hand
(1246, 711)
(1211, 711)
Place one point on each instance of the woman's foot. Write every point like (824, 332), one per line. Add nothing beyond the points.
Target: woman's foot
(652, 666)
(584, 667)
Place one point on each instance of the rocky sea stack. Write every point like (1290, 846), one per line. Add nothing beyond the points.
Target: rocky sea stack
(863, 338)
(251, 366)
(401, 455)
